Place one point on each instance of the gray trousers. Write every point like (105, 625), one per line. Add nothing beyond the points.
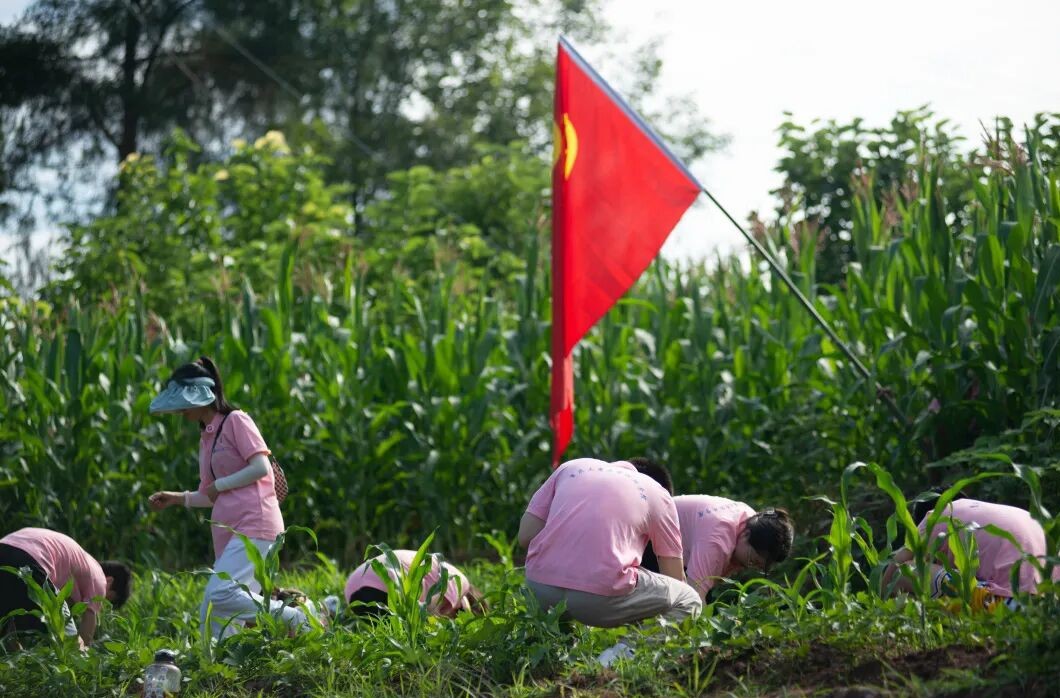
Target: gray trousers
(655, 595)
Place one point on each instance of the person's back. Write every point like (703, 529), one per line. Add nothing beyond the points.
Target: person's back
(710, 530)
(63, 559)
(585, 530)
(597, 523)
(54, 559)
(997, 555)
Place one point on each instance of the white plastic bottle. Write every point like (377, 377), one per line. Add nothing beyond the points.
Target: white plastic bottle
(162, 678)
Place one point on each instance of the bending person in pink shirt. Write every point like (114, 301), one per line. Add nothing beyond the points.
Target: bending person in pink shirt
(721, 537)
(367, 592)
(585, 530)
(235, 479)
(997, 556)
(54, 559)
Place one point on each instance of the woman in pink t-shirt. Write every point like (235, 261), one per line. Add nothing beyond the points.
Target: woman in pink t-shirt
(999, 558)
(585, 530)
(722, 537)
(719, 536)
(236, 480)
(54, 559)
(367, 592)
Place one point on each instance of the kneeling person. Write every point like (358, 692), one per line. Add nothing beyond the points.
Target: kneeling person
(721, 537)
(365, 586)
(997, 555)
(585, 530)
(54, 558)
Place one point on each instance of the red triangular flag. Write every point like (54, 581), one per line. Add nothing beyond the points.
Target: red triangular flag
(617, 192)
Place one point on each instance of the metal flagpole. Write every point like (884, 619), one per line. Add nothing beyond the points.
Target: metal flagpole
(882, 392)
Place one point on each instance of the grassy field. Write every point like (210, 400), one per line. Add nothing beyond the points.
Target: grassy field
(817, 627)
(755, 641)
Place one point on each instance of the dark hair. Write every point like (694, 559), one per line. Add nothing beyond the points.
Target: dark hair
(204, 367)
(771, 532)
(121, 585)
(924, 503)
(368, 602)
(656, 471)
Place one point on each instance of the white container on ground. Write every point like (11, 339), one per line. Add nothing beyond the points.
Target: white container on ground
(162, 678)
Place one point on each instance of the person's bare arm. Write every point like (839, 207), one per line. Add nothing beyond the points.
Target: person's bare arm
(164, 500)
(672, 567)
(529, 527)
(87, 628)
(902, 583)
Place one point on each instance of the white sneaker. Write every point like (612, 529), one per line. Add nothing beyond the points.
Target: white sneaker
(612, 654)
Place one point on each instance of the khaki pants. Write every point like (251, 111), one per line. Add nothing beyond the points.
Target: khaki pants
(654, 595)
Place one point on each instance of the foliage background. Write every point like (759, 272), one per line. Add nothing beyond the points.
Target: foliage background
(355, 227)
(401, 372)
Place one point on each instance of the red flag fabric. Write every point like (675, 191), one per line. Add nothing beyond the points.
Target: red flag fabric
(617, 192)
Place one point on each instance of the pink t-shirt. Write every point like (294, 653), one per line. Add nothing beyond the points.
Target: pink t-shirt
(997, 556)
(62, 559)
(598, 518)
(450, 602)
(252, 510)
(710, 527)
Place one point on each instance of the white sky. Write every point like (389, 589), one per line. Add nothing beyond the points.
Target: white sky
(747, 62)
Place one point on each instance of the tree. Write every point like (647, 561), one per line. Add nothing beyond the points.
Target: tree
(823, 165)
(379, 86)
(826, 165)
(187, 237)
(83, 83)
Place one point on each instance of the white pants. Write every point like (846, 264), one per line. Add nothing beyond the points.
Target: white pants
(229, 604)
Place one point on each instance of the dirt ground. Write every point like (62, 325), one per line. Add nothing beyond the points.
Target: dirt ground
(824, 670)
(827, 671)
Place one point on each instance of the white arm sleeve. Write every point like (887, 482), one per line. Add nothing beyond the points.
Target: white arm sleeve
(257, 467)
(197, 499)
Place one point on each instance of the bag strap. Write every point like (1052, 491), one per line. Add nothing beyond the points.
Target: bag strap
(214, 447)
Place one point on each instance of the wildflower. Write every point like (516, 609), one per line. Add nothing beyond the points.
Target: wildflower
(129, 160)
(272, 140)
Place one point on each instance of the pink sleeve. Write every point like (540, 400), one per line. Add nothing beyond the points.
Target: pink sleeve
(541, 502)
(457, 586)
(245, 436)
(707, 562)
(90, 582)
(664, 530)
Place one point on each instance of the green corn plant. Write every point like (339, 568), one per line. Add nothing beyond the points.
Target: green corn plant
(408, 617)
(962, 547)
(383, 396)
(798, 601)
(52, 609)
(923, 546)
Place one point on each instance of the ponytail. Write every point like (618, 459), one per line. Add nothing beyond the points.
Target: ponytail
(221, 404)
(771, 533)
